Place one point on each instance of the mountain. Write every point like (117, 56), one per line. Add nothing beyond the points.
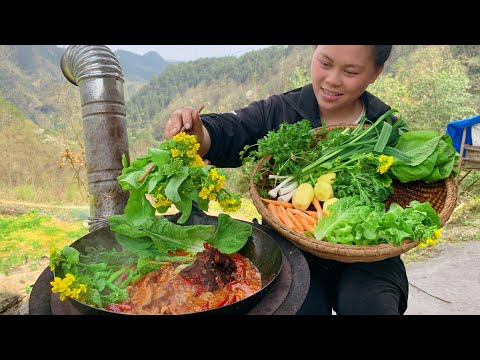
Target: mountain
(140, 67)
(31, 78)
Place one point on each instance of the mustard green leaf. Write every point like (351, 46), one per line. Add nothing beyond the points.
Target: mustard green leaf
(231, 234)
(172, 189)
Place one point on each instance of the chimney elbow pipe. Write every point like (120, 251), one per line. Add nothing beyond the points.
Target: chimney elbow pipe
(97, 72)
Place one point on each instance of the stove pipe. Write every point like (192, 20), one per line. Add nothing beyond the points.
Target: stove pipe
(97, 72)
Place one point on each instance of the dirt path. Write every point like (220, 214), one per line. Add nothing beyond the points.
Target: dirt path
(47, 206)
(447, 284)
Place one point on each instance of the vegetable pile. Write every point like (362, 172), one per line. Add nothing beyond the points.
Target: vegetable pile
(332, 184)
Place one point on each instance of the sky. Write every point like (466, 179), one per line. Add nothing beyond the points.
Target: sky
(189, 52)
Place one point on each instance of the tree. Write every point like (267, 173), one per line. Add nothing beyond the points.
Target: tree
(429, 87)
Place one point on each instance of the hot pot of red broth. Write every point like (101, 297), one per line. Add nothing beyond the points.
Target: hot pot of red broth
(215, 283)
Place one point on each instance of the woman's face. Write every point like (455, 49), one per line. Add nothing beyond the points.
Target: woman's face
(341, 73)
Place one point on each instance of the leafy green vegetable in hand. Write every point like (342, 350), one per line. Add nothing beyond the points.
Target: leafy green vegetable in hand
(173, 174)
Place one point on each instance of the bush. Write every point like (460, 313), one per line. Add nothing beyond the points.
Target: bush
(25, 193)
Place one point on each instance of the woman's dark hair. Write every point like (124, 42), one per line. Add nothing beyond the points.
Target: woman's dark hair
(381, 53)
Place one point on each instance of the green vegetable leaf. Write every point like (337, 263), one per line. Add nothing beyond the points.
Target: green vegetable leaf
(160, 157)
(174, 184)
(168, 236)
(231, 234)
(185, 207)
(154, 180)
(138, 207)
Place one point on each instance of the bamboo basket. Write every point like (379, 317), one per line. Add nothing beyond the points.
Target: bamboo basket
(442, 195)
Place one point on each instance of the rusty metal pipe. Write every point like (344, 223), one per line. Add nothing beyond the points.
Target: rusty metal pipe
(97, 72)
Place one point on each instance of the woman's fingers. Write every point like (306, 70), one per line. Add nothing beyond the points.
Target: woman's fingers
(186, 119)
(173, 125)
(191, 119)
(187, 114)
(197, 127)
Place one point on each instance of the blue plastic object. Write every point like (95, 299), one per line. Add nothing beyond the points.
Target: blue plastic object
(455, 131)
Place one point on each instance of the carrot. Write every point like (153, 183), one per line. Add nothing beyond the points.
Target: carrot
(285, 219)
(307, 217)
(311, 220)
(306, 225)
(278, 202)
(273, 210)
(295, 211)
(297, 224)
(316, 205)
(302, 214)
(312, 213)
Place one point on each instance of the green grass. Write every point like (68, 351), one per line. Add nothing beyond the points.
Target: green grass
(26, 238)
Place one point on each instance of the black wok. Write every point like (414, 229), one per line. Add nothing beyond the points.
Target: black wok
(260, 248)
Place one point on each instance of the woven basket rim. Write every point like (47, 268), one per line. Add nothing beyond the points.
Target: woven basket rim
(343, 252)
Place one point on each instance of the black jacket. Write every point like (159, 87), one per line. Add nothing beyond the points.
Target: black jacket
(230, 132)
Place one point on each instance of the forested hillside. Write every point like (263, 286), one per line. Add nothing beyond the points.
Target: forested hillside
(221, 84)
(256, 66)
(31, 167)
(31, 78)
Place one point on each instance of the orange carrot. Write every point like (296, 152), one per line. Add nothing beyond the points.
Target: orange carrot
(316, 205)
(307, 217)
(311, 220)
(306, 225)
(278, 202)
(273, 210)
(286, 220)
(312, 213)
(294, 211)
(297, 224)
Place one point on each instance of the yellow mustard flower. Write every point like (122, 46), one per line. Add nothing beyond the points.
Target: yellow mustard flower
(438, 233)
(213, 174)
(221, 183)
(198, 161)
(385, 162)
(204, 193)
(161, 200)
(175, 153)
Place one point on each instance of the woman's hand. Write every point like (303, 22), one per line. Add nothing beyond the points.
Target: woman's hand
(188, 120)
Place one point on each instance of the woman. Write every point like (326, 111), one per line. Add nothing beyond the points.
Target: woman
(337, 95)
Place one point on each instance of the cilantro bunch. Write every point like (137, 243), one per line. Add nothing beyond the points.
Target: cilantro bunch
(291, 147)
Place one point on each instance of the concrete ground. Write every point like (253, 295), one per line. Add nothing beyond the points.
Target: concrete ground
(447, 284)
